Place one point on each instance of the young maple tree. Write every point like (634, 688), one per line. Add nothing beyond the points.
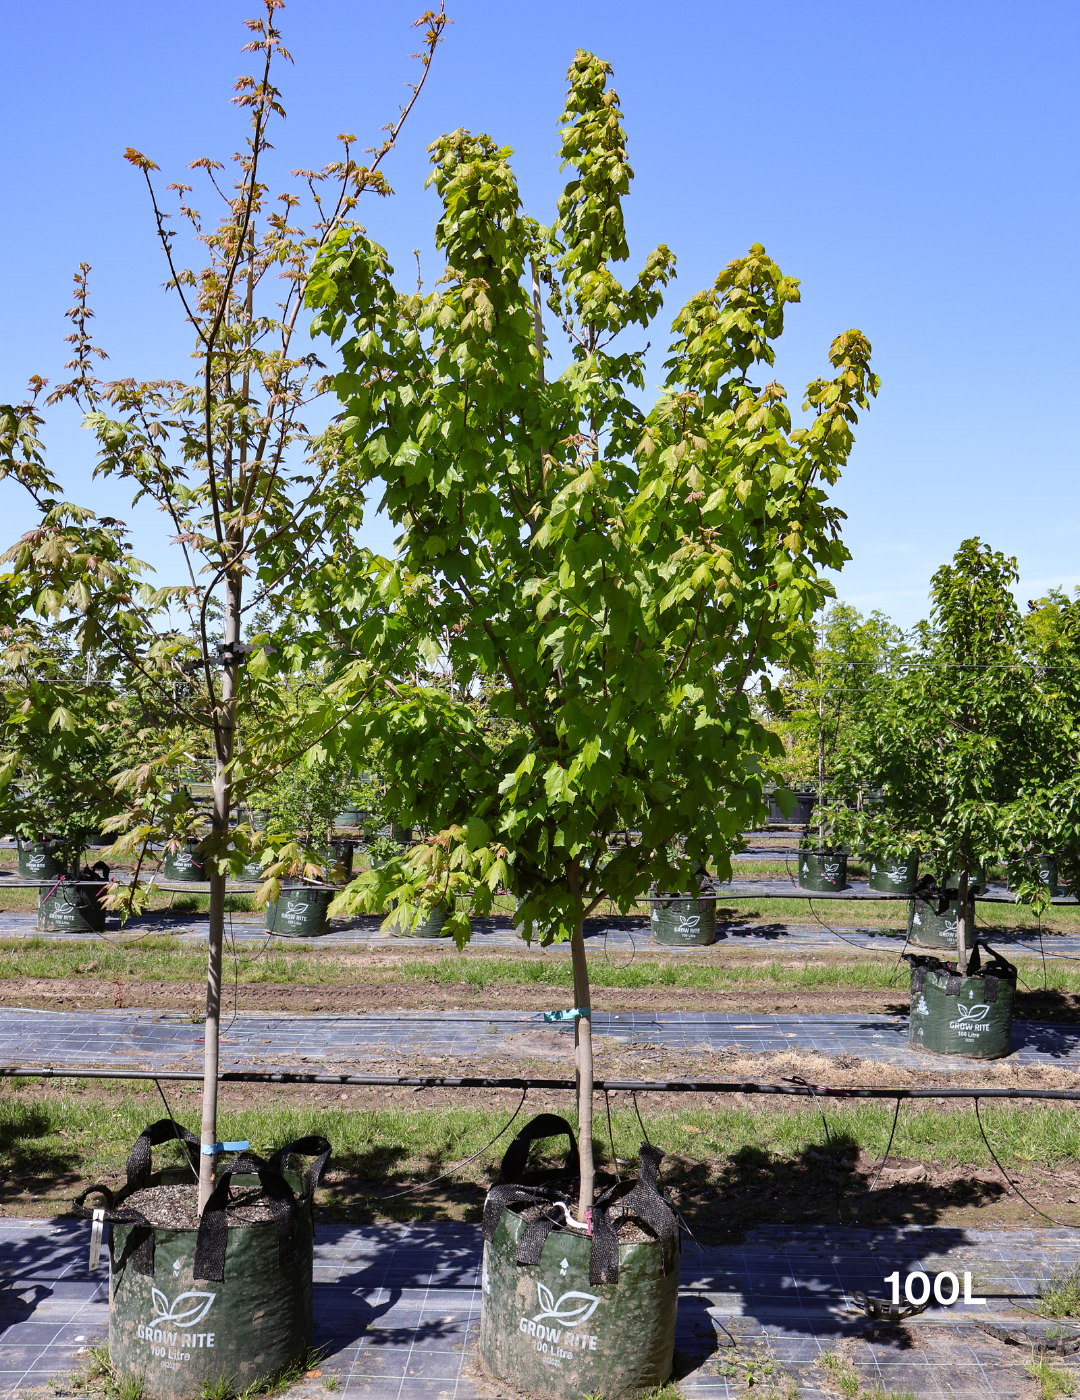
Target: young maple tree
(612, 582)
(254, 499)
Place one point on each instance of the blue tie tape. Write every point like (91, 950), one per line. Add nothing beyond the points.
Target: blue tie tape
(570, 1015)
(210, 1149)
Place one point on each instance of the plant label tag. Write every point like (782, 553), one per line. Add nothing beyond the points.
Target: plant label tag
(96, 1230)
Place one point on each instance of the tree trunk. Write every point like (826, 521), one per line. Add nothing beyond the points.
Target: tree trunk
(222, 803)
(961, 923)
(583, 1062)
(821, 734)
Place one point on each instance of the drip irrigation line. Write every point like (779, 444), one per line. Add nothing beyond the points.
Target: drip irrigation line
(176, 1130)
(423, 1185)
(833, 931)
(641, 1121)
(614, 1086)
(1009, 1182)
(611, 1137)
(888, 1149)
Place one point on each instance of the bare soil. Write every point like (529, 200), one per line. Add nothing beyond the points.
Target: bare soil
(89, 994)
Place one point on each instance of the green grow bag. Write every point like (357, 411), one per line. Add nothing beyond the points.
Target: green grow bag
(677, 920)
(432, 926)
(41, 860)
(252, 872)
(929, 928)
(891, 876)
(66, 906)
(403, 834)
(563, 1314)
(229, 1298)
(185, 865)
(969, 1016)
(1047, 874)
(976, 880)
(340, 852)
(300, 912)
(348, 816)
(822, 870)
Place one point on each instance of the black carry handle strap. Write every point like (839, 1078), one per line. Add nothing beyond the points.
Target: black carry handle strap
(213, 1236)
(544, 1125)
(164, 1130)
(140, 1245)
(644, 1203)
(510, 1190)
(311, 1146)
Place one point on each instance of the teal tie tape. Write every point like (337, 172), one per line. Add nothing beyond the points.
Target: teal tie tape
(210, 1149)
(570, 1015)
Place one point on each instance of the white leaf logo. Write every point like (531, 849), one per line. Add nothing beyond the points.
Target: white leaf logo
(974, 1013)
(198, 1305)
(689, 921)
(572, 1308)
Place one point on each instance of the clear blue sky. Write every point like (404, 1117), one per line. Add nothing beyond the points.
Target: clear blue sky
(914, 164)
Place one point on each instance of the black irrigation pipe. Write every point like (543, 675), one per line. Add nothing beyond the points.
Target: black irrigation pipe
(641, 1086)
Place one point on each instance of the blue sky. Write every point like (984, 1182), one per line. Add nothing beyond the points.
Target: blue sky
(914, 164)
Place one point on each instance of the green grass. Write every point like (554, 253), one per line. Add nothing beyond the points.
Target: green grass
(74, 1129)
(1052, 1380)
(166, 959)
(1059, 1295)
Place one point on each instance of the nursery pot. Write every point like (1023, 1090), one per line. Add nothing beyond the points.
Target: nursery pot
(681, 919)
(229, 1297)
(299, 912)
(822, 870)
(929, 928)
(891, 876)
(340, 852)
(976, 879)
(954, 1015)
(66, 905)
(805, 802)
(41, 860)
(563, 1314)
(432, 926)
(185, 865)
(1047, 873)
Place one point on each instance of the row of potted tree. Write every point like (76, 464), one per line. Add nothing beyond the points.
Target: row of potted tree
(575, 638)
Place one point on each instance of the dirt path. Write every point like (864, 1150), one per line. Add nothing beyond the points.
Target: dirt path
(88, 994)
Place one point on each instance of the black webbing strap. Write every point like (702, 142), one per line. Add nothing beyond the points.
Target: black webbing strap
(640, 1200)
(918, 977)
(312, 1146)
(544, 1125)
(953, 983)
(990, 988)
(140, 1243)
(213, 1237)
(164, 1130)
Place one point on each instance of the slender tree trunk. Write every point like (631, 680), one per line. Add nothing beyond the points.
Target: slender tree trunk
(222, 803)
(583, 1064)
(821, 733)
(961, 923)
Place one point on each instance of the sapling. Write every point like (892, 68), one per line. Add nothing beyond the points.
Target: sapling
(612, 582)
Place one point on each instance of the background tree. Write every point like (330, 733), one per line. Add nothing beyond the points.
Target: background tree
(252, 495)
(972, 735)
(613, 581)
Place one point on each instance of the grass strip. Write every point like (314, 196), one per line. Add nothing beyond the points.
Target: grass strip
(166, 959)
(75, 1128)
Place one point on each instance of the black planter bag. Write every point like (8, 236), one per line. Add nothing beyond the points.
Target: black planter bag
(565, 1313)
(247, 1286)
(970, 1015)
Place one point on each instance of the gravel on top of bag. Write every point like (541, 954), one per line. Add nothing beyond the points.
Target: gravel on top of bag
(177, 1207)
